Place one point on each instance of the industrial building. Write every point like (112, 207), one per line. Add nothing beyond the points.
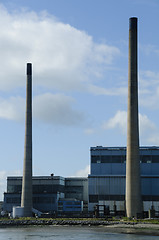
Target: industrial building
(106, 182)
(50, 192)
(105, 185)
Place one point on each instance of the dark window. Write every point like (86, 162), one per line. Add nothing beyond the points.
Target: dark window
(96, 158)
(117, 159)
(93, 198)
(155, 159)
(60, 203)
(14, 188)
(112, 197)
(13, 200)
(47, 188)
(145, 158)
(150, 198)
(106, 159)
(74, 189)
(46, 199)
(96, 198)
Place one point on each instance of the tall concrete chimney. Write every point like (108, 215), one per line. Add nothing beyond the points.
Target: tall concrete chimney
(26, 199)
(133, 182)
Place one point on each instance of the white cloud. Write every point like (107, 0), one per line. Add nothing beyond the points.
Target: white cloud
(118, 121)
(149, 79)
(12, 108)
(146, 125)
(63, 57)
(147, 128)
(148, 89)
(149, 49)
(83, 172)
(154, 139)
(56, 109)
(96, 90)
(150, 100)
(89, 131)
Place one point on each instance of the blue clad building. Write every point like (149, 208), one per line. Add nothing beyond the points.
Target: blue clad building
(70, 206)
(106, 182)
(105, 185)
(51, 194)
(47, 190)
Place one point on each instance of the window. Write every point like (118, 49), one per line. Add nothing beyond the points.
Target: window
(106, 159)
(155, 159)
(46, 199)
(116, 159)
(148, 161)
(96, 158)
(145, 158)
(13, 200)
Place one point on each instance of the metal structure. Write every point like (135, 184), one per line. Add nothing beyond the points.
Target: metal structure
(106, 181)
(133, 183)
(26, 198)
(47, 192)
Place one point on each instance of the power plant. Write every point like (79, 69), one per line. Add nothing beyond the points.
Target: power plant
(122, 180)
(133, 183)
(26, 198)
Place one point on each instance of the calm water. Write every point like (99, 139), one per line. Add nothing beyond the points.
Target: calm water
(68, 233)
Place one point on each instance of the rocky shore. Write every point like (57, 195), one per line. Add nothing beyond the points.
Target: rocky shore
(21, 222)
(87, 222)
(115, 226)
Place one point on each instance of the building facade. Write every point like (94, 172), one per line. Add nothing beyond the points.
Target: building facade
(48, 191)
(105, 185)
(106, 182)
(69, 206)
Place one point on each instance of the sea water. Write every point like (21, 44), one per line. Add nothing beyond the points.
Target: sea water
(68, 233)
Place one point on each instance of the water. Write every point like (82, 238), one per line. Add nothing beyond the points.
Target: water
(68, 233)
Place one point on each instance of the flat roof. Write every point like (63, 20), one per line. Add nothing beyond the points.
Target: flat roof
(37, 177)
(124, 148)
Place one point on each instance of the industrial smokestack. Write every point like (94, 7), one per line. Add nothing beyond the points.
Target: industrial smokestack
(26, 199)
(133, 182)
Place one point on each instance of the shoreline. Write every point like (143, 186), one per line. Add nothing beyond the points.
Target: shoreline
(139, 228)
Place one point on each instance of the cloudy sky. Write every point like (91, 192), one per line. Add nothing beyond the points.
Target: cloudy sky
(79, 52)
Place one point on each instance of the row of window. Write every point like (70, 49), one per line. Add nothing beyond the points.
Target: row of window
(16, 200)
(37, 188)
(96, 198)
(60, 203)
(36, 200)
(48, 200)
(122, 159)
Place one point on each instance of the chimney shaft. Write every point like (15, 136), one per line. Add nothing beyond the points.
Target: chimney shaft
(26, 199)
(133, 182)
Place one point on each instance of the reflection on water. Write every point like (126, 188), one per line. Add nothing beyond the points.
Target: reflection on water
(68, 233)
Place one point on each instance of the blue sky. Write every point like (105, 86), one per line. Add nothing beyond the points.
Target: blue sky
(79, 51)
